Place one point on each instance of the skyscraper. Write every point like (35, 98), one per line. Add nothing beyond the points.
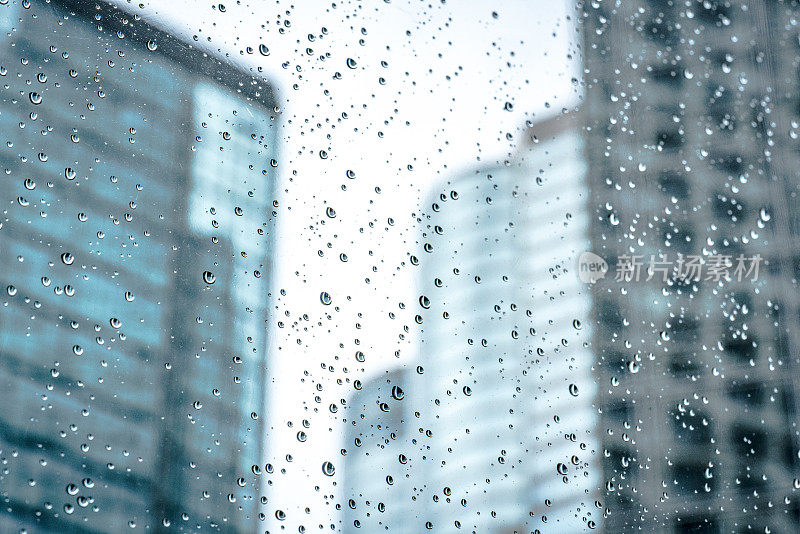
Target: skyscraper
(507, 368)
(496, 420)
(136, 192)
(691, 125)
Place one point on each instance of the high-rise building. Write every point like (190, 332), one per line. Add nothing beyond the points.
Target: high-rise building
(496, 422)
(692, 118)
(378, 477)
(507, 367)
(136, 190)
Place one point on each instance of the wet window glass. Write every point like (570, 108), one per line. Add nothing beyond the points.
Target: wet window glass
(520, 267)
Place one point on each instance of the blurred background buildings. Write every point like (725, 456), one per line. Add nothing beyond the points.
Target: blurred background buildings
(138, 176)
(692, 121)
(136, 172)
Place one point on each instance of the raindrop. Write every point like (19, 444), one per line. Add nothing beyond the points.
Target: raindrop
(328, 469)
(208, 277)
(325, 298)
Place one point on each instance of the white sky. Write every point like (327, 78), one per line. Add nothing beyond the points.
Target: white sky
(519, 57)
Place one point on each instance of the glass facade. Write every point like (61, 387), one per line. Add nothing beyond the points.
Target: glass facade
(134, 398)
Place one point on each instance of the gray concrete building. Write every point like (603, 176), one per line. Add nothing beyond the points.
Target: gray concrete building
(691, 115)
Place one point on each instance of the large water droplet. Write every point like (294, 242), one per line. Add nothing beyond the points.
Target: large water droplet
(328, 469)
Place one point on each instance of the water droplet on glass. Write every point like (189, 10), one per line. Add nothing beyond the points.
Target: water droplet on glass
(328, 469)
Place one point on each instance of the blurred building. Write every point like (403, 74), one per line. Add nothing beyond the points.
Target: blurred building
(507, 372)
(377, 477)
(498, 415)
(692, 119)
(136, 190)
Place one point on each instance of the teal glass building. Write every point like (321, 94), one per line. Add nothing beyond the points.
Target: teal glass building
(136, 192)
